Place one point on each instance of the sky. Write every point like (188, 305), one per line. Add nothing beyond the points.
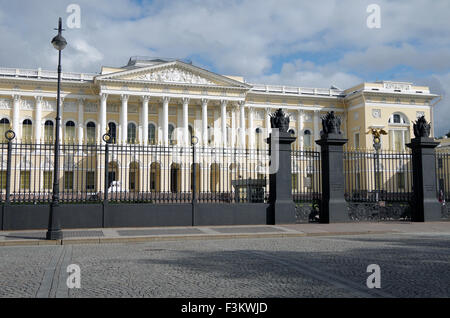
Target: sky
(286, 42)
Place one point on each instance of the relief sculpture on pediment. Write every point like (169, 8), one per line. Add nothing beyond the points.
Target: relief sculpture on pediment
(174, 75)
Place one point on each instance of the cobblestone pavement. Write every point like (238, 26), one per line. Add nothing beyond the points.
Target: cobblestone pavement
(412, 265)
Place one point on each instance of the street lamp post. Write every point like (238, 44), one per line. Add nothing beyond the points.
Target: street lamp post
(54, 225)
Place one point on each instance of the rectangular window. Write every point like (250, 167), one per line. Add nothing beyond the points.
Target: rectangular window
(90, 180)
(25, 180)
(68, 180)
(398, 140)
(357, 140)
(48, 180)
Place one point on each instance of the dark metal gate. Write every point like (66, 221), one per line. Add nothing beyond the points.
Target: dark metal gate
(378, 185)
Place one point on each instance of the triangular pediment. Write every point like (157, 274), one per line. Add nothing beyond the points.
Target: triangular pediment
(173, 73)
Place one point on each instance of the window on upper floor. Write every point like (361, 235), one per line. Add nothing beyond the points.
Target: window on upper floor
(48, 132)
(131, 136)
(4, 127)
(113, 132)
(171, 131)
(307, 138)
(70, 132)
(27, 130)
(90, 133)
(151, 134)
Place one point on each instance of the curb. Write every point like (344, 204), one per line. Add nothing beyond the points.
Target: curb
(142, 239)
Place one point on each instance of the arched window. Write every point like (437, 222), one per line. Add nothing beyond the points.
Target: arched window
(131, 137)
(151, 134)
(175, 177)
(90, 132)
(134, 177)
(4, 126)
(27, 130)
(48, 131)
(307, 138)
(258, 137)
(112, 131)
(398, 131)
(70, 132)
(171, 134)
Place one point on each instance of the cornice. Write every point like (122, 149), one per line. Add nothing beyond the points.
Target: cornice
(164, 85)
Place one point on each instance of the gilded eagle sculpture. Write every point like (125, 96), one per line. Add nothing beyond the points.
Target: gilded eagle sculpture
(421, 128)
(280, 120)
(377, 132)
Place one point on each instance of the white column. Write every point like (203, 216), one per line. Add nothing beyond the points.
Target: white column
(242, 125)
(316, 129)
(80, 120)
(233, 127)
(124, 119)
(223, 120)
(144, 120)
(166, 120)
(205, 121)
(300, 127)
(251, 134)
(102, 116)
(38, 119)
(268, 126)
(185, 123)
(16, 119)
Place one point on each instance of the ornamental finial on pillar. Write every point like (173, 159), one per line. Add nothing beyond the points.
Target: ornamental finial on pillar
(280, 120)
(421, 128)
(331, 124)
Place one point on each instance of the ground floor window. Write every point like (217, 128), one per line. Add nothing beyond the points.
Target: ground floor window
(25, 180)
(48, 180)
(90, 180)
(68, 180)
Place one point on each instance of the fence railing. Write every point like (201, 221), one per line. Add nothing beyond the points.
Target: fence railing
(383, 176)
(135, 173)
(443, 175)
(306, 175)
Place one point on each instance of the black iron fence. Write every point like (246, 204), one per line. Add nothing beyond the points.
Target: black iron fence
(306, 184)
(378, 176)
(443, 175)
(134, 173)
(306, 177)
(443, 180)
(378, 185)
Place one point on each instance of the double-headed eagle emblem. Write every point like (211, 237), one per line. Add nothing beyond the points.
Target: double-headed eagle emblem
(376, 132)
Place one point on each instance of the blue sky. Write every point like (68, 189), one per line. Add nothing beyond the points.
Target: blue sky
(291, 42)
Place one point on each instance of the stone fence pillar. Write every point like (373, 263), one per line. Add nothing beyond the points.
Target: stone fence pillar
(426, 206)
(334, 207)
(281, 205)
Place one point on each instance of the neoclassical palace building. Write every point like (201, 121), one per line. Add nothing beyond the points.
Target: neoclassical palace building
(161, 101)
(164, 103)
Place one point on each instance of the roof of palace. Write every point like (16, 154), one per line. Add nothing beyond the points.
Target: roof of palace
(137, 63)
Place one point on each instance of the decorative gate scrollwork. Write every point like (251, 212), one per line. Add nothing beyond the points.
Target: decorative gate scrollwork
(374, 211)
